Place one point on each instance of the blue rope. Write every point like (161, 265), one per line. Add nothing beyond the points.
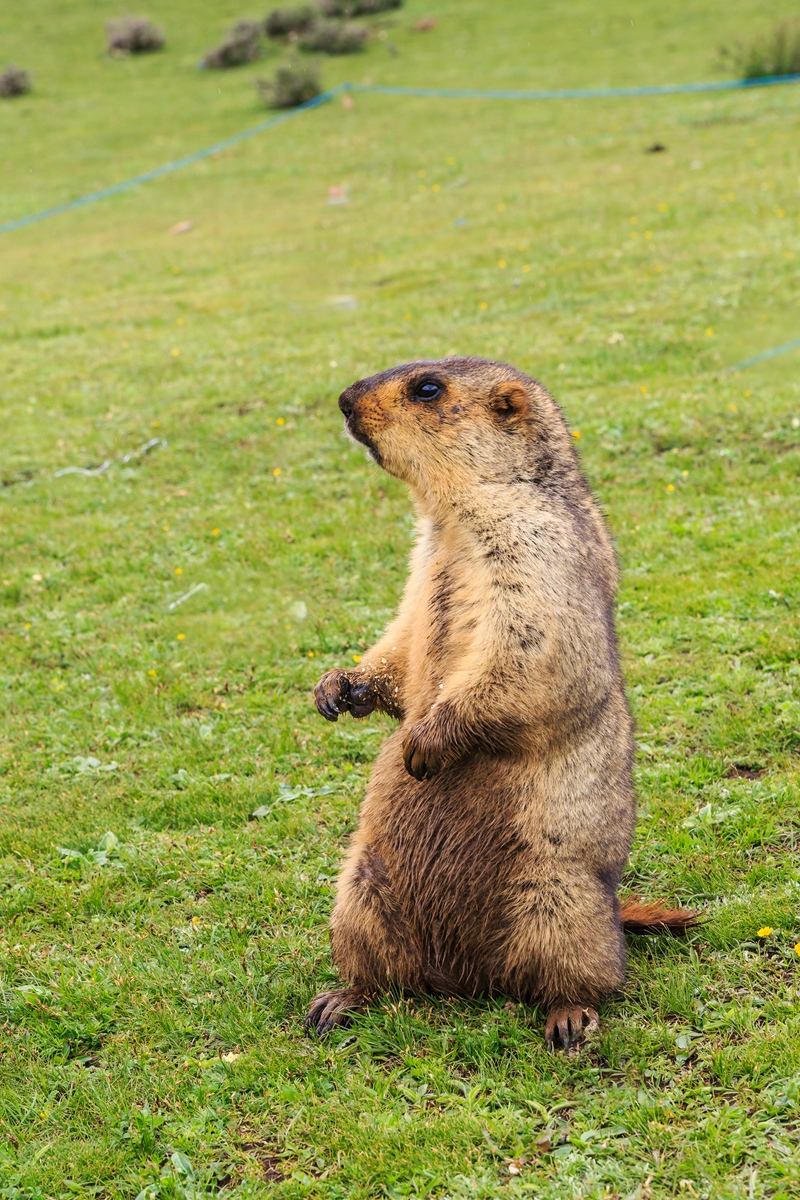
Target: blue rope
(765, 355)
(177, 164)
(658, 89)
(167, 168)
(666, 89)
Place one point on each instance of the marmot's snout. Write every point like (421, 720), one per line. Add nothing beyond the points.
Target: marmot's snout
(346, 401)
(354, 421)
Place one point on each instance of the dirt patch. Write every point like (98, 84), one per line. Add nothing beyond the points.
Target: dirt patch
(744, 771)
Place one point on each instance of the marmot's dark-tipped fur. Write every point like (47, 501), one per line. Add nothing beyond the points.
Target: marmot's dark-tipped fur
(499, 815)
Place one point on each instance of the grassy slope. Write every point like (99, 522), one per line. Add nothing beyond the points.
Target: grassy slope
(533, 232)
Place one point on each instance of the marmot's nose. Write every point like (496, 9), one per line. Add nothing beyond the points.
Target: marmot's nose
(346, 402)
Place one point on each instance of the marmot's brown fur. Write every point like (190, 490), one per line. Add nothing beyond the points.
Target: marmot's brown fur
(499, 815)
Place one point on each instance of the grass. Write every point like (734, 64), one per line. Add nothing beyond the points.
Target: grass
(159, 945)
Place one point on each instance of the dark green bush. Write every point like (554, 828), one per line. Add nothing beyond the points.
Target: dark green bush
(777, 53)
(242, 45)
(285, 22)
(133, 35)
(334, 37)
(293, 84)
(14, 81)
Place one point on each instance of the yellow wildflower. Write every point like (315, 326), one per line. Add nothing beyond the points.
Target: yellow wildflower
(764, 931)
(181, 637)
(576, 433)
(670, 487)
(276, 471)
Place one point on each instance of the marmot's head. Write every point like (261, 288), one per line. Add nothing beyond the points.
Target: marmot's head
(455, 422)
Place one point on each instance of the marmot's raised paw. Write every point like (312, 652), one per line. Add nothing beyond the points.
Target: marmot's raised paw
(339, 691)
(568, 1026)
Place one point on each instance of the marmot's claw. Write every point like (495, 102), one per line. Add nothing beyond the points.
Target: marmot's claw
(331, 695)
(568, 1026)
(327, 710)
(421, 760)
(415, 763)
(330, 1009)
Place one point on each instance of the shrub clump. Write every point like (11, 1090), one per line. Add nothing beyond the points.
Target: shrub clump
(334, 37)
(14, 81)
(776, 54)
(357, 8)
(292, 85)
(242, 45)
(133, 35)
(288, 22)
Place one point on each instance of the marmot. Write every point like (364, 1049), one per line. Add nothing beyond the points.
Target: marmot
(499, 816)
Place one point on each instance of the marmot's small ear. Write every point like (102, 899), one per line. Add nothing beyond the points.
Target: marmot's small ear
(510, 400)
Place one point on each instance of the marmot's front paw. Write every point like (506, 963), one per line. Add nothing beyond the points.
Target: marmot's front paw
(339, 691)
(422, 754)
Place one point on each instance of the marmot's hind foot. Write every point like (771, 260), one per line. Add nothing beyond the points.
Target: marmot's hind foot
(568, 1025)
(331, 1009)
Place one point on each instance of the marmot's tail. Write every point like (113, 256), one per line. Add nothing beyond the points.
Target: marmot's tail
(641, 916)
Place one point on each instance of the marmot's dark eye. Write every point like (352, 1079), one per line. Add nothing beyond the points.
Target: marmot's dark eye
(427, 389)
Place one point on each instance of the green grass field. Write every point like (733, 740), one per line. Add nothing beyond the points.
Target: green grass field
(158, 946)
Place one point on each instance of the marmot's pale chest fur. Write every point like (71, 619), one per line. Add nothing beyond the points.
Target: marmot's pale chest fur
(499, 815)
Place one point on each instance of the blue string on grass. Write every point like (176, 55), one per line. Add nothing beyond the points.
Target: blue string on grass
(177, 164)
(665, 89)
(601, 93)
(765, 355)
